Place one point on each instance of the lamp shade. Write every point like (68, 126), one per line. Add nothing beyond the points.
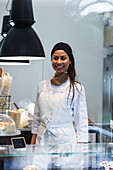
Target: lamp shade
(1, 42)
(22, 12)
(14, 62)
(5, 25)
(22, 42)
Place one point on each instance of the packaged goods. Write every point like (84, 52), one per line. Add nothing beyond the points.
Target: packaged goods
(5, 83)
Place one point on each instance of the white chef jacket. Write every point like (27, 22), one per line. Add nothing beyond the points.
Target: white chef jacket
(76, 108)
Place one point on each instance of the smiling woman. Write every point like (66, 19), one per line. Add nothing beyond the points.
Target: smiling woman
(59, 100)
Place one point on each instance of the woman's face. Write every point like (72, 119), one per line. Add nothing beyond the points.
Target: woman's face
(60, 61)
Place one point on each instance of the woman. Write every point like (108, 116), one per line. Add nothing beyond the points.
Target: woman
(59, 100)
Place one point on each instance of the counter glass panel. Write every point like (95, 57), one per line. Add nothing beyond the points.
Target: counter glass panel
(64, 157)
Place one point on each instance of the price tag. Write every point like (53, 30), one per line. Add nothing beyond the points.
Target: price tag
(18, 143)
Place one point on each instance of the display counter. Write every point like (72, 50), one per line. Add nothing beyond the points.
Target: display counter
(65, 156)
(25, 132)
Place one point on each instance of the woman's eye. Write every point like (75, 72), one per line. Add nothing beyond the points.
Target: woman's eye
(55, 58)
(63, 58)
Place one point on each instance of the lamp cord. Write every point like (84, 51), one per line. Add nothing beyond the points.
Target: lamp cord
(7, 6)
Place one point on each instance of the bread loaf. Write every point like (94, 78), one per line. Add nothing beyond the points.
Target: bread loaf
(1, 72)
(16, 115)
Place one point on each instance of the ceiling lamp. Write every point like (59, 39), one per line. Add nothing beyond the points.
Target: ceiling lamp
(22, 42)
(5, 25)
(14, 62)
(5, 28)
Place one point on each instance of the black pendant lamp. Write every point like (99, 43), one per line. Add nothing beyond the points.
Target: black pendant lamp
(5, 28)
(14, 62)
(22, 42)
(5, 25)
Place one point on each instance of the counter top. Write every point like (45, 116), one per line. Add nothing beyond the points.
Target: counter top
(89, 148)
(71, 157)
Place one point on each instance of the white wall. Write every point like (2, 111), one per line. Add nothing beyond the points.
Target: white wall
(55, 23)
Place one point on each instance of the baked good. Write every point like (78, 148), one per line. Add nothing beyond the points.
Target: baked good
(1, 72)
(16, 115)
(91, 123)
(1, 79)
(7, 79)
(3, 150)
(30, 167)
(7, 127)
(5, 83)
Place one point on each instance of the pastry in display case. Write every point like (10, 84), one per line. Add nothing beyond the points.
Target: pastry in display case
(30, 167)
(3, 150)
(16, 115)
(90, 123)
(20, 116)
(7, 126)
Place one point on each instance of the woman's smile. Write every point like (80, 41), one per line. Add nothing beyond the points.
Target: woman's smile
(60, 61)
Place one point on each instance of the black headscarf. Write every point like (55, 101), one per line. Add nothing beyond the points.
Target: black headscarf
(63, 46)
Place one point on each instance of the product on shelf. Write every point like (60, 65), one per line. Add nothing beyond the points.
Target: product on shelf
(20, 116)
(90, 122)
(5, 83)
(3, 150)
(1, 72)
(16, 115)
(30, 167)
(1, 75)
(7, 124)
(7, 127)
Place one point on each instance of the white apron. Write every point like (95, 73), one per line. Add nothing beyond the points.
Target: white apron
(56, 122)
(56, 128)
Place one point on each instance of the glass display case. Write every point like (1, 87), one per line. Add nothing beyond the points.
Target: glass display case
(62, 157)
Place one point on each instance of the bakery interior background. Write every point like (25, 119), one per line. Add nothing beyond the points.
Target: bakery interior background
(81, 24)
